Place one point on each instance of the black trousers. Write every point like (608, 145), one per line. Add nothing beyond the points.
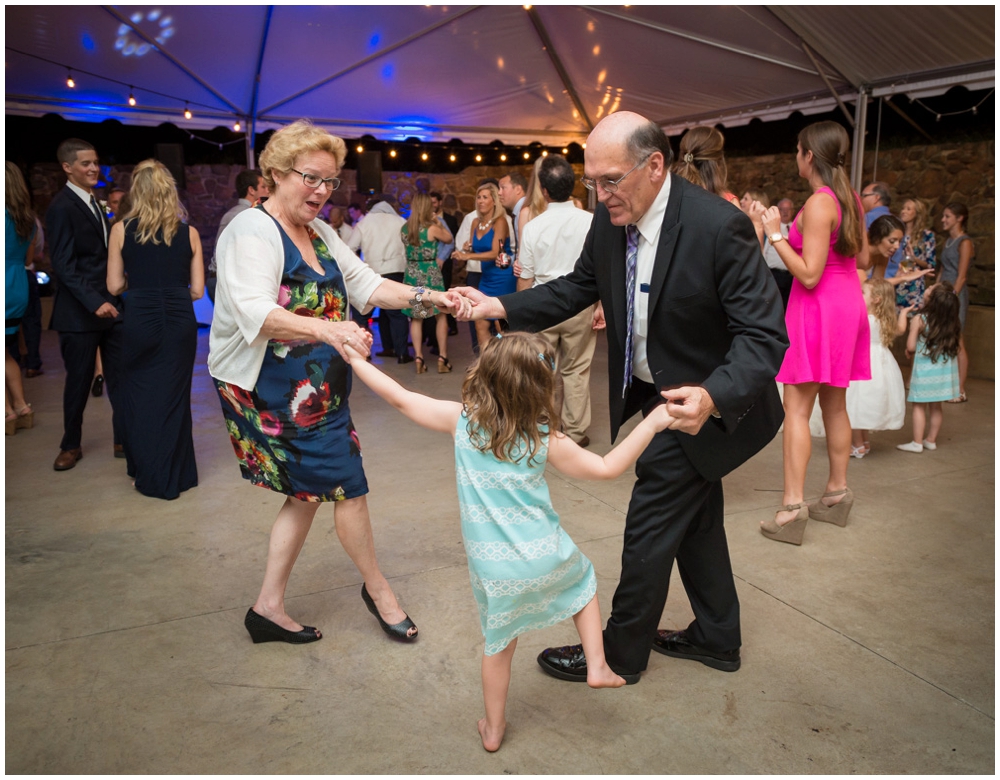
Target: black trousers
(31, 327)
(674, 514)
(393, 325)
(79, 354)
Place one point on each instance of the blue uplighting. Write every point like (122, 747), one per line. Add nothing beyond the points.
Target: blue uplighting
(88, 42)
(387, 71)
(374, 41)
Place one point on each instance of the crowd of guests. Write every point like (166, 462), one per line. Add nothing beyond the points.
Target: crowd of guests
(813, 299)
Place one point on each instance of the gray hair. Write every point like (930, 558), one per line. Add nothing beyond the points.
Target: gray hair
(645, 140)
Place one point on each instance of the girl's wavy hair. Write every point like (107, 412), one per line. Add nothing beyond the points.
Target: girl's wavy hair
(883, 308)
(18, 201)
(920, 221)
(154, 203)
(831, 147)
(509, 395)
(943, 327)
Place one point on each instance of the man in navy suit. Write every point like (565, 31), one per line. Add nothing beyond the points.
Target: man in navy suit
(694, 318)
(86, 315)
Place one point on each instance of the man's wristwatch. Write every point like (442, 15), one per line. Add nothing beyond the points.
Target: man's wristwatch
(774, 238)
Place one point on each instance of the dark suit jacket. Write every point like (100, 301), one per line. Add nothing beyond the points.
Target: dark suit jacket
(79, 264)
(715, 320)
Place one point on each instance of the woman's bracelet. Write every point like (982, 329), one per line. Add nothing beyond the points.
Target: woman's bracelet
(423, 297)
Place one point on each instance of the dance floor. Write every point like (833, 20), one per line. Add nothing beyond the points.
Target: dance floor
(869, 649)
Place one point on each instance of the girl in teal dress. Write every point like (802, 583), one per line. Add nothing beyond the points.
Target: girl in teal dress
(526, 572)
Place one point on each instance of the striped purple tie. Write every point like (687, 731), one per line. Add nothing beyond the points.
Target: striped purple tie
(631, 255)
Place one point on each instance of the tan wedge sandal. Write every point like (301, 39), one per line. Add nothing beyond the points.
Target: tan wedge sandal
(791, 532)
(835, 513)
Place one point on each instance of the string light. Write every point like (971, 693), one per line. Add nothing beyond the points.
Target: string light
(187, 111)
(424, 157)
(236, 126)
(545, 152)
(392, 152)
(360, 148)
(69, 79)
(974, 110)
(131, 97)
(565, 150)
(479, 158)
(503, 158)
(527, 155)
(452, 158)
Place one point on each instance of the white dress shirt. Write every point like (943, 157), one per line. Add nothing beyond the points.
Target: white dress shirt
(553, 242)
(771, 256)
(649, 226)
(380, 241)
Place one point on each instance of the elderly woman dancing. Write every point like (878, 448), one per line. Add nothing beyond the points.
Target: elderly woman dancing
(285, 282)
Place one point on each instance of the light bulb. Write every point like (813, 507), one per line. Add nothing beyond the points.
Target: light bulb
(565, 150)
(360, 148)
(236, 127)
(479, 158)
(131, 97)
(187, 112)
(451, 157)
(503, 158)
(424, 157)
(69, 79)
(392, 152)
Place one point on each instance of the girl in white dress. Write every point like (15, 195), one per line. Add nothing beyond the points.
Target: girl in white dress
(879, 403)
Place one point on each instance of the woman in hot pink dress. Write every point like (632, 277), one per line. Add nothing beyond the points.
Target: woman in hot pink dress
(827, 326)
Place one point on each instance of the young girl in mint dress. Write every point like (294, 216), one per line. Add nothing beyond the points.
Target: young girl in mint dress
(526, 572)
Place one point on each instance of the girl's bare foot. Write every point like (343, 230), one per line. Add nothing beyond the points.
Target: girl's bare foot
(493, 737)
(603, 677)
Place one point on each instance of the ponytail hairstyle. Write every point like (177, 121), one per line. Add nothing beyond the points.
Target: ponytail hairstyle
(883, 309)
(960, 211)
(830, 146)
(155, 205)
(17, 200)
(701, 161)
(509, 393)
(943, 327)
(421, 216)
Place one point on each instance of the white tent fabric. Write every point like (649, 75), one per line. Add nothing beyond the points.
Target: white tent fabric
(479, 73)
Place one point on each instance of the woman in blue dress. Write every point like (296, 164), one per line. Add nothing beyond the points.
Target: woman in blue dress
(20, 232)
(489, 241)
(277, 348)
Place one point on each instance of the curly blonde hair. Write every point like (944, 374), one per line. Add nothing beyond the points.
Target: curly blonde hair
(300, 137)
(883, 308)
(509, 394)
(154, 203)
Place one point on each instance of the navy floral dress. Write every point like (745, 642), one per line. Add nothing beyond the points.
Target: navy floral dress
(293, 432)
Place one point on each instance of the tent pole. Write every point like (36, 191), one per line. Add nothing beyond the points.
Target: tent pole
(826, 81)
(249, 143)
(860, 120)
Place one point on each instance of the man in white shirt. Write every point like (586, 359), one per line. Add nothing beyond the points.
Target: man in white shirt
(552, 242)
(336, 219)
(378, 238)
(250, 188)
(513, 188)
(778, 270)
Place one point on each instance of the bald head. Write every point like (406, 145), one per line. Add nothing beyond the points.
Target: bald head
(787, 210)
(628, 157)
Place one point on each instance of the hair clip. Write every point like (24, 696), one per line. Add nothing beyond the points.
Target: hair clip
(689, 158)
(551, 361)
(499, 335)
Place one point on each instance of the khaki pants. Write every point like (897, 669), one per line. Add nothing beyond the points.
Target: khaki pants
(574, 342)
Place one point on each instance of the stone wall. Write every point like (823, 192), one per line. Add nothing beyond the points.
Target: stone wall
(936, 174)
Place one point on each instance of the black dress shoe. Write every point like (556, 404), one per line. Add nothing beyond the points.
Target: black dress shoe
(569, 663)
(386, 353)
(677, 645)
(407, 358)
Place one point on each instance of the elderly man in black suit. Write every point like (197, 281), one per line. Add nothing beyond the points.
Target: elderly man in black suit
(86, 315)
(695, 319)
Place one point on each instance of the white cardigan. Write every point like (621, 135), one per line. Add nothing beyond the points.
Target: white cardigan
(250, 262)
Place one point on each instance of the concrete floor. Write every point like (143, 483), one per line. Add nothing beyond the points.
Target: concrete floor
(870, 649)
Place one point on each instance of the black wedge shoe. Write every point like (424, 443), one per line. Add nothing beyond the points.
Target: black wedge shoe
(397, 631)
(263, 630)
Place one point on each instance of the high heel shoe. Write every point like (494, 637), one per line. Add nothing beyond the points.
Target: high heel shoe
(790, 532)
(444, 367)
(398, 631)
(836, 513)
(421, 365)
(10, 424)
(26, 417)
(263, 630)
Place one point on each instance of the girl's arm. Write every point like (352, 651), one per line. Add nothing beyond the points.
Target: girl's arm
(819, 219)
(428, 412)
(916, 325)
(901, 319)
(964, 261)
(907, 276)
(438, 232)
(116, 280)
(197, 267)
(574, 461)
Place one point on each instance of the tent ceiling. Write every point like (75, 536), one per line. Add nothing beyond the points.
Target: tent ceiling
(480, 73)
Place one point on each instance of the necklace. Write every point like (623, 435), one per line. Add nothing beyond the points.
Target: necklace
(484, 226)
(948, 242)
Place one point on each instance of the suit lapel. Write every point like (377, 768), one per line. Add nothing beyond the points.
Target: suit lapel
(669, 232)
(85, 207)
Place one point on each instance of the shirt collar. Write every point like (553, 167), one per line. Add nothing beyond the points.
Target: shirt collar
(560, 204)
(83, 194)
(519, 204)
(649, 224)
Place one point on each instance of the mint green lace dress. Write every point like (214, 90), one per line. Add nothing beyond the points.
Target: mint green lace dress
(526, 572)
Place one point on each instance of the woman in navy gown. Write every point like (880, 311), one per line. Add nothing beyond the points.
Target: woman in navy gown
(157, 257)
(490, 239)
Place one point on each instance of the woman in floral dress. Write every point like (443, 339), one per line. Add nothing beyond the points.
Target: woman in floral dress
(285, 281)
(421, 234)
